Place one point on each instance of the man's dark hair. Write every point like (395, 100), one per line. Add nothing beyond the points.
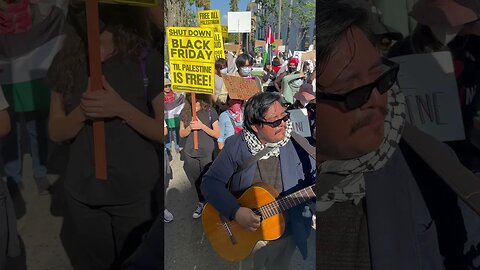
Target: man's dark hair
(242, 59)
(334, 18)
(257, 106)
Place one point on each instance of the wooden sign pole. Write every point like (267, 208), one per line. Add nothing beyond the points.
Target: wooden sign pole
(194, 117)
(93, 32)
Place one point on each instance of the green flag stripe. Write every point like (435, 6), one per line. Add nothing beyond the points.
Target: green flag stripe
(28, 96)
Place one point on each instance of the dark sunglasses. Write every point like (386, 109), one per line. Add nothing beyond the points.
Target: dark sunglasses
(277, 123)
(360, 96)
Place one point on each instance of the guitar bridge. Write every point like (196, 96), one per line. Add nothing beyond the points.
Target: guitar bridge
(228, 230)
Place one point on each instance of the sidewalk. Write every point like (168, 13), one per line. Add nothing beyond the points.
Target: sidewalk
(39, 229)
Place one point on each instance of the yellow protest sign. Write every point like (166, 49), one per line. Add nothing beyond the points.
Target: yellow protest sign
(210, 18)
(224, 31)
(192, 60)
(219, 49)
(143, 3)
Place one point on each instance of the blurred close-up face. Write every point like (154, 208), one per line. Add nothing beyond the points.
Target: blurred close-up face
(167, 88)
(267, 133)
(342, 133)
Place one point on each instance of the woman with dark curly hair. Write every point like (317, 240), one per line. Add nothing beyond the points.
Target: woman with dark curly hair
(197, 161)
(108, 217)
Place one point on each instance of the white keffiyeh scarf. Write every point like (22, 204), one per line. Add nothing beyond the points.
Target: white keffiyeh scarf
(254, 145)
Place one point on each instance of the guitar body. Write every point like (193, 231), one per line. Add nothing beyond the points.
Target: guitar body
(229, 239)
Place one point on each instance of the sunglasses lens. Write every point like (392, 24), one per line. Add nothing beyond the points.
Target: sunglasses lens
(279, 121)
(387, 81)
(359, 97)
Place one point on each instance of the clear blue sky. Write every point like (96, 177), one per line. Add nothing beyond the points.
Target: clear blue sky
(224, 7)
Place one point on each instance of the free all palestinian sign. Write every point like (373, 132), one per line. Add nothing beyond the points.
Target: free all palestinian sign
(192, 62)
(240, 88)
(211, 18)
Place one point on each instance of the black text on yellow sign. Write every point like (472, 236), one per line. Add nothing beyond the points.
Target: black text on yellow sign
(224, 31)
(193, 44)
(192, 77)
(219, 49)
(192, 59)
(209, 18)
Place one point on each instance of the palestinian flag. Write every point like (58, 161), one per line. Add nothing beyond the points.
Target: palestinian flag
(25, 59)
(173, 103)
(268, 42)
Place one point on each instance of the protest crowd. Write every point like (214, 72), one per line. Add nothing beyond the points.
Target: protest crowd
(253, 162)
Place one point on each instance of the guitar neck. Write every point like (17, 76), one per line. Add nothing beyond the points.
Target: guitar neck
(285, 203)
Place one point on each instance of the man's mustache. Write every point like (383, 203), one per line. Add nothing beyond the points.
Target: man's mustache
(367, 120)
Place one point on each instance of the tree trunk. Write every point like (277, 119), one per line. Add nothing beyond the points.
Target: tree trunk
(288, 26)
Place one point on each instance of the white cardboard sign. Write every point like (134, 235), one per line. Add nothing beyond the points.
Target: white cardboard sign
(300, 122)
(431, 94)
(239, 22)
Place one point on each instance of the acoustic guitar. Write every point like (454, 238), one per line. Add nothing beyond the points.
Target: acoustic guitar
(233, 242)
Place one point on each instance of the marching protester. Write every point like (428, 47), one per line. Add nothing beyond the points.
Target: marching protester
(197, 161)
(230, 121)
(173, 104)
(220, 69)
(276, 159)
(9, 242)
(108, 216)
(305, 99)
(292, 68)
(394, 203)
(276, 64)
(268, 78)
(244, 64)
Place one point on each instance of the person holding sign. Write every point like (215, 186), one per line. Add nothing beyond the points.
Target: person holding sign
(244, 64)
(197, 161)
(277, 160)
(305, 99)
(389, 203)
(108, 217)
(450, 33)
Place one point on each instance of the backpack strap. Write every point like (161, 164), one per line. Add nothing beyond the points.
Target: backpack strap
(443, 161)
(312, 151)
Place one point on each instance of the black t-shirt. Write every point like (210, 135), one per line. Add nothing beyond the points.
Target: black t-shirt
(132, 162)
(206, 143)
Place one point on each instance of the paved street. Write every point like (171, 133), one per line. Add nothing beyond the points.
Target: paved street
(186, 246)
(39, 225)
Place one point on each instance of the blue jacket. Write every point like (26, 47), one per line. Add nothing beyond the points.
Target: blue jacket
(297, 169)
(416, 221)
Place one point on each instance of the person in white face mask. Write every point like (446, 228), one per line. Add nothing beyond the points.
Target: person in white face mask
(220, 69)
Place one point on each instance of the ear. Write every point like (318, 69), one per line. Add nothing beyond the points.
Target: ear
(255, 128)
